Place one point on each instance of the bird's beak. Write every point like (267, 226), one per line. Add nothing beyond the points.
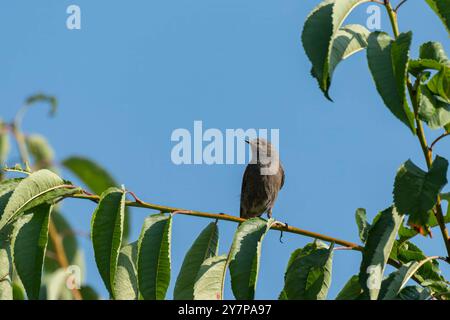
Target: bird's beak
(247, 141)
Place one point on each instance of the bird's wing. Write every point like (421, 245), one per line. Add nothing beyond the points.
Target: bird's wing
(243, 189)
(282, 177)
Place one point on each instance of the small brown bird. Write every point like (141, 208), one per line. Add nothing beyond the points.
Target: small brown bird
(263, 179)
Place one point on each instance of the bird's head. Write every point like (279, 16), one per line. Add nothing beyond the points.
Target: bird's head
(262, 151)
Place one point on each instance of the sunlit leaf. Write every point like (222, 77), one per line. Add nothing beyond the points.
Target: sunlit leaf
(107, 233)
(442, 9)
(439, 85)
(380, 240)
(391, 287)
(6, 266)
(209, 283)
(154, 257)
(308, 276)
(29, 245)
(415, 293)
(388, 63)
(408, 252)
(351, 291)
(363, 225)
(432, 110)
(204, 247)
(244, 257)
(318, 37)
(126, 283)
(434, 51)
(416, 191)
(40, 187)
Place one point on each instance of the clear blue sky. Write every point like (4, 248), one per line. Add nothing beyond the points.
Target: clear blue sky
(140, 69)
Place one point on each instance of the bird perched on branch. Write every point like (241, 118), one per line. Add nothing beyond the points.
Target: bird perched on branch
(263, 179)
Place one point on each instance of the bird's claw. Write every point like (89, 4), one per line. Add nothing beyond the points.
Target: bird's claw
(286, 226)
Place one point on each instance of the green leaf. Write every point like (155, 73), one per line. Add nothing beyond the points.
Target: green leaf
(416, 67)
(6, 290)
(126, 283)
(439, 288)
(43, 98)
(396, 281)
(351, 291)
(96, 179)
(204, 247)
(442, 9)
(41, 150)
(6, 266)
(408, 252)
(433, 111)
(209, 283)
(88, 293)
(29, 245)
(154, 257)
(416, 191)
(348, 40)
(7, 188)
(321, 28)
(4, 143)
(40, 187)
(107, 233)
(363, 225)
(380, 240)
(432, 56)
(440, 84)
(308, 276)
(434, 51)
(388, 63)
(244, 256)
(407, 233)
(415, 293)
(18, 292)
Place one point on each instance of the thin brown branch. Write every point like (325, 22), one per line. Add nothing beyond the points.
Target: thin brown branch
(225, 217)
(345, 245)
(442, 136)
(399, 5)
